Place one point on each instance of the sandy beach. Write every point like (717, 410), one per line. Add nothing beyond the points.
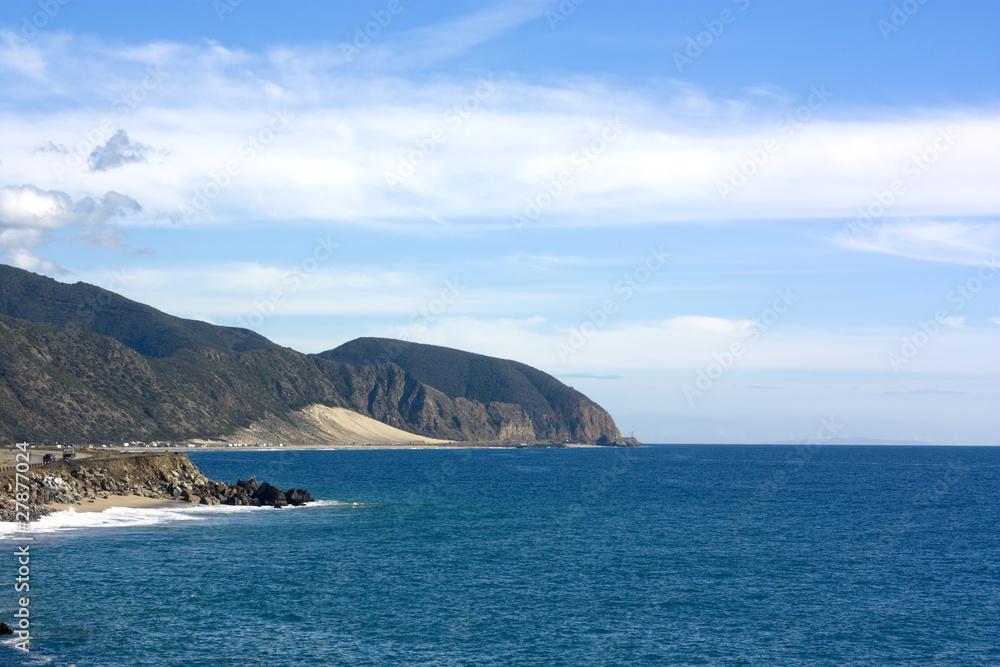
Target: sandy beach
(101, 504)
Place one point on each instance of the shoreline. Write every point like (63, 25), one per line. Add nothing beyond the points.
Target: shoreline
(103, 479)
(201, 446)
(327, 448)
(128, 501)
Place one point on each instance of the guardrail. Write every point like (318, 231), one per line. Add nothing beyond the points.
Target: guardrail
(13, 466)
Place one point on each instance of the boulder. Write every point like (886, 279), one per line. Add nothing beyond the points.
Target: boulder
(270, 495)
(4, 630)
(250, 486)
(240, 498)
(298, 496)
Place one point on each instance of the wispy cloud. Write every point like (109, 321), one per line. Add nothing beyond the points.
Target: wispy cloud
(49, 147)
(429, 44)
(931, 240)
(921, 392)
(349, 130)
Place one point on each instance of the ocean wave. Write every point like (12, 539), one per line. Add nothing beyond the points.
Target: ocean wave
(109, 518)
(29, 659)
(331, 503)
(115, 517)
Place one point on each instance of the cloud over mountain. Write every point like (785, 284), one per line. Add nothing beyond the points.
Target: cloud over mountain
(29, 215)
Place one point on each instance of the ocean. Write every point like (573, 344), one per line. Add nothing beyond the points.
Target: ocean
(665, 555)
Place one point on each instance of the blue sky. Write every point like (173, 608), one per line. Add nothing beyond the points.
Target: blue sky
(723, 221)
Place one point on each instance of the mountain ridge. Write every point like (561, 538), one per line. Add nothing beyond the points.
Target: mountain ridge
(85, 307)
(85, 364)
(561, 411)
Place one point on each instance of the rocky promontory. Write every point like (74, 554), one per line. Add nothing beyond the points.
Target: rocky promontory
(165, 476)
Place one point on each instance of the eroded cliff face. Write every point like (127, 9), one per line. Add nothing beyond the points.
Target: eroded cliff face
(394, 397)
(492, 397)
(590, 422)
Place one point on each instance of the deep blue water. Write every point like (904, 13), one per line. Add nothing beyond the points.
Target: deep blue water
(680, 555)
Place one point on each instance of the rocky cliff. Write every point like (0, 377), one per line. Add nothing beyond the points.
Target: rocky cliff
(506, 398)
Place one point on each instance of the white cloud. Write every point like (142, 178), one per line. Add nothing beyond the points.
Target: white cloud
(21, 237)
(236, 290)
(106, 237)
(27, 206)
(23, 258)
(429, 44)
(20, 56)
(347, 131)
(388, 302)
(29, 216)
(49, 147)
(118, 151)
(952, 242)
(675, 349)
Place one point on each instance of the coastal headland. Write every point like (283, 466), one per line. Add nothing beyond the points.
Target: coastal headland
(116, 479)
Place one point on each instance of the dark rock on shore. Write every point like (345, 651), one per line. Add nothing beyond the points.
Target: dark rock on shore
(298, 497)
(250, 487)
(271, 495)
(167, 476)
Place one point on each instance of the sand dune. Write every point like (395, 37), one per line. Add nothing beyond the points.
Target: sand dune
(322, 426)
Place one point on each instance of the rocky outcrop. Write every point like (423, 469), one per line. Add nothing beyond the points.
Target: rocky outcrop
(167, 476)
(298, 496)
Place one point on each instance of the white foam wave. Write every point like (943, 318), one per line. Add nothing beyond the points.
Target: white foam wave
(115, 517)
(109, 518)
(27, 659)
(330, 503)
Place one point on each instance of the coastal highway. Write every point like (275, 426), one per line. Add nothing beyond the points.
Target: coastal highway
(36, 455)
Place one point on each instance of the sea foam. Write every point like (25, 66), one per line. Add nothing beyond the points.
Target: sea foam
(122, 517)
